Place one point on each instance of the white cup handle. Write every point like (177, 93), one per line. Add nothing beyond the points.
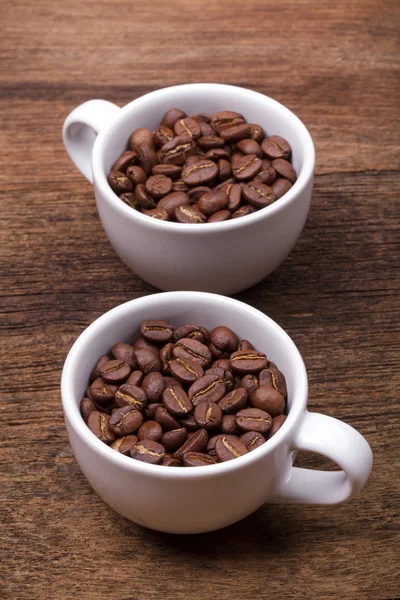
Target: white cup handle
(337, 441)
(80, 130)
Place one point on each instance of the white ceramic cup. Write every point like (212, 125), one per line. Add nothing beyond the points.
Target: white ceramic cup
(217, 257)
(199, 499)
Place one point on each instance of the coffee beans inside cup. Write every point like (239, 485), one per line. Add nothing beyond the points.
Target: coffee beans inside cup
(184, 396)
(202, 168)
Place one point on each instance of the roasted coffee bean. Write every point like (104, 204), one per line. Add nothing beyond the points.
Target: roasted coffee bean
(206, 130)
(101, 391)
(208, 415)
(199, 173)
(254, 419)
(153, 386)
(277, 423)
(273, 376)
(249, 383)
(114, 371)
(224, 169)
(284, 169)
(172, 116)
(96, 373)
(224, 339)
(123, 445)
(267, 398)
(174, 439)
(234, 401)
(201, 117)
(196, 443)
(191, 160)
(186, 371)
(148, 451)
(87, 407)
(166, 357)
(275, 146)
(208, 142)
(140, 137)
(226, 118)
(169, 461)
(156, 213)
(197, 192)
(222, 362)
(130, 395)
(144, 198)
(257, 194)
(267, 175)
(125, 352)
(209, 388)
(179, 186)
(187, 126)
(158, 186)
(176, 401)
(245, 345)
(243, 211)
(252, 440)
(141, 343)
(136, 175)
(189, 423)
(150, 410)
(99, 424)
(228, 447)
(198, 459)
(148, 158)
(216, 154)
(196, 332)
(147, 360)
(236, 133)
(246, 167)
(211, 444)
(171, 171)
(125, 420)
(249, 146)
(178, 150)
(280, 187)
(135, 378)
(169, 380)
(213, 202)
(218, 217)
(150, 430)
(191, 349)
(248, 361)
(229, 425)
(256, 132)
(234, 193)
(162, 135)
(156, 331)
(171, 201)
(119, 182)
(225, 375)
(166, 420)
(127, 159)
(189, 214)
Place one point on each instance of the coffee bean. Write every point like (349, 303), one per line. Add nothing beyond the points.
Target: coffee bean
(119, 182)
(125, 352)
(178, 150)
(156, 331)
(153, 386)
(150, 410)
(249, 146)
(225, 375)
(96, 373)
(189, 423)
(218, 217)
(254, 419)
(141, 343)
(267, 175)
(123, 445)
(275, 146)
(228, 447)
(234, 401)
(172, 116)
(248, 361)
(144, 198)
(186, 371)
(226, 118)
(211, 444)
(189, 214)
(224, 169)
(187, 126)
(136, 175)
(243, 211)
(166, 420)
(127, 159)
(213, 202)
(148, 158)
(208, 415)
(139, 138)
(277, 423)
(135, 378)
(207, 388)
(176, 401)
(174, 439)
(206, 130)
(130, 395)
(158, 186)
(234, 193)
(197, 192)
(166, 357)
(171, 201)
(171, 171)
(169, 380)
(245, 345)
(150, 430)
(201, 117)
(196, 332)
(252, 440)
(246, 167)
(196, 443)
(257, 194)
(191, 349)
(162, 135)
(222, 362)
(249, 383)
(217, 154)
(284, 169)
(114, 371)
(147, 360)
(280, 187)
(101, 391)
(229, 425)
(156, 213)
(148, 451)
(256, 132)
(125, 420)
(199, 173)
(198, 459)
(87, 407)
(224, 339)
(179, 186)
(99, 424)
(236, 133)
(168, 461)
(268, 399)
(210, 141)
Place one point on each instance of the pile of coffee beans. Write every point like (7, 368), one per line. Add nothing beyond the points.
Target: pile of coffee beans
(184, 397)
(202, 168)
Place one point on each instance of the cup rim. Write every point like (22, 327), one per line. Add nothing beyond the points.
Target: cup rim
(126, 212)
(127, 309)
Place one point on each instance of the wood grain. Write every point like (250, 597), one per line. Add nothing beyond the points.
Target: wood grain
(336, 66)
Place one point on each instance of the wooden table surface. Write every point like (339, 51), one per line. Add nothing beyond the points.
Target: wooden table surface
(335, 64)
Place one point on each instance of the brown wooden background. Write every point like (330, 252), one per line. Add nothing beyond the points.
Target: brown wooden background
(335, 64)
